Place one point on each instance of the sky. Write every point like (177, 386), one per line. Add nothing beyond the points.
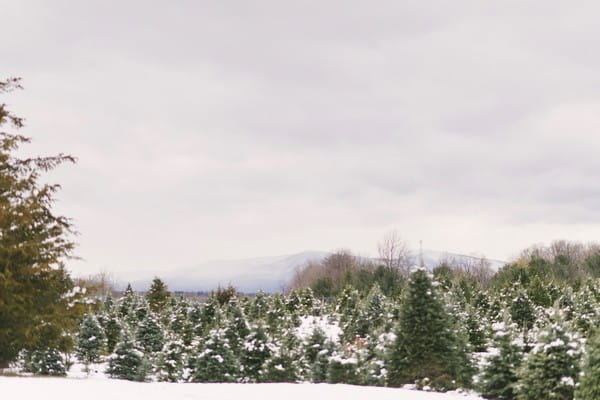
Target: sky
(231, 129)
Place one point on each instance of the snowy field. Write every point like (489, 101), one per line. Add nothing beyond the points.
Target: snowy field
(112, 389)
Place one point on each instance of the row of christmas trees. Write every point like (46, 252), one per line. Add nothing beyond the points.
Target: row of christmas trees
(507, 344)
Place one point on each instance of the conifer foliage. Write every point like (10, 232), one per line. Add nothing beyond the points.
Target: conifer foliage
(426, 346)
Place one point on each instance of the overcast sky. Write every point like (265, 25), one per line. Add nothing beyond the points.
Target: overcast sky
(232, 129)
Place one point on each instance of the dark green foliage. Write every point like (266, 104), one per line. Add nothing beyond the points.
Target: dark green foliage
(256, 352)
(426, 344)
(158, 296)
(284, 365)
(45, 362)
(128, 361)
(215, 362)
(522, 311)
(112, 331)
(552, 368)
(36, 297)
(589, 388)
(499, 376)
(342, 370)
(323, 287)
(90, 341)
(170, 362)
(150, 335)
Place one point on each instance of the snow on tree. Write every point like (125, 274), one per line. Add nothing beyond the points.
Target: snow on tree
(589, 387)
(90, 340)
(128, 361)
(257, 350)
(499, 373)
(150, 334)
(551, 369)
(171, 360)
(285, 363)
(215, 361)
(426, 345)
(44, 362)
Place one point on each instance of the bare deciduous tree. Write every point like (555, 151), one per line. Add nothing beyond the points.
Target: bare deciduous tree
(394, 253)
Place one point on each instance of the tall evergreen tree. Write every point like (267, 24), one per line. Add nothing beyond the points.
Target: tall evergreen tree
(499, 375)
(37, 307)
(90, 341)
(158, 296)
(589, 388)
(426, 346)
(551, 369)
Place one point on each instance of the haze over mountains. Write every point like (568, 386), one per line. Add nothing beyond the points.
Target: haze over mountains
(270, 274)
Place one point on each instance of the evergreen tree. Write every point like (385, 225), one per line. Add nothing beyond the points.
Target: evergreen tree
(112, 331)
(90, 341)
(499, 375)
(342, 369)
(215, 361)
(158, 296)
(45, 362)
(589, 388)
(551, 370)
(128, 361)
(38, 307)
(426, 345)
(150, 335)
(257, 350)
(171, 360)
(284, 365)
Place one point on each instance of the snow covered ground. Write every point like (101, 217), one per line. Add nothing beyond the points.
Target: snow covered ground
(112, 389)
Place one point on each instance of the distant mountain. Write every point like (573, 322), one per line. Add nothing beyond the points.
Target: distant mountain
(270, 274)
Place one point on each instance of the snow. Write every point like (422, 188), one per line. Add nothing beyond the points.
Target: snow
(309, 323)
(101, 389)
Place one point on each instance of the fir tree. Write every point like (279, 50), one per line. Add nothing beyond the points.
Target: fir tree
(589, 388)
(150, 335)
(45, 362)
(551, 370)
(90, 341)
(128, 361)
(284, 365)
(170, 362)
(158, 296)
(426, 345)
(257, 350)
(215, 361)
(499, 375)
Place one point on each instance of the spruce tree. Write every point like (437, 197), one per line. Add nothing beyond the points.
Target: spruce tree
(426, 346)
(171, 360)
(551, 369)
(90, 341)
(589, 387)
(499, 375)
(257, 350)
(215, 361)
(128, 361)
(45, 362)
(150, 335)
(158, 296)
(285, 363)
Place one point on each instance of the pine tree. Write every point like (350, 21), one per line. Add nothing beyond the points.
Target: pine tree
(90, 341)
(158, 296)
(426, 346)
(499, 375)
(551, 370)
(284, 365)
(171, 360)
(150, 335)
(38, 307)
(257, 350)
(215, 361)
(45, 362)
(128, 361)
(589, 388)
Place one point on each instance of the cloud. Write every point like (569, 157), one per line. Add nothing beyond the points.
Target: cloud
(225, 130)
